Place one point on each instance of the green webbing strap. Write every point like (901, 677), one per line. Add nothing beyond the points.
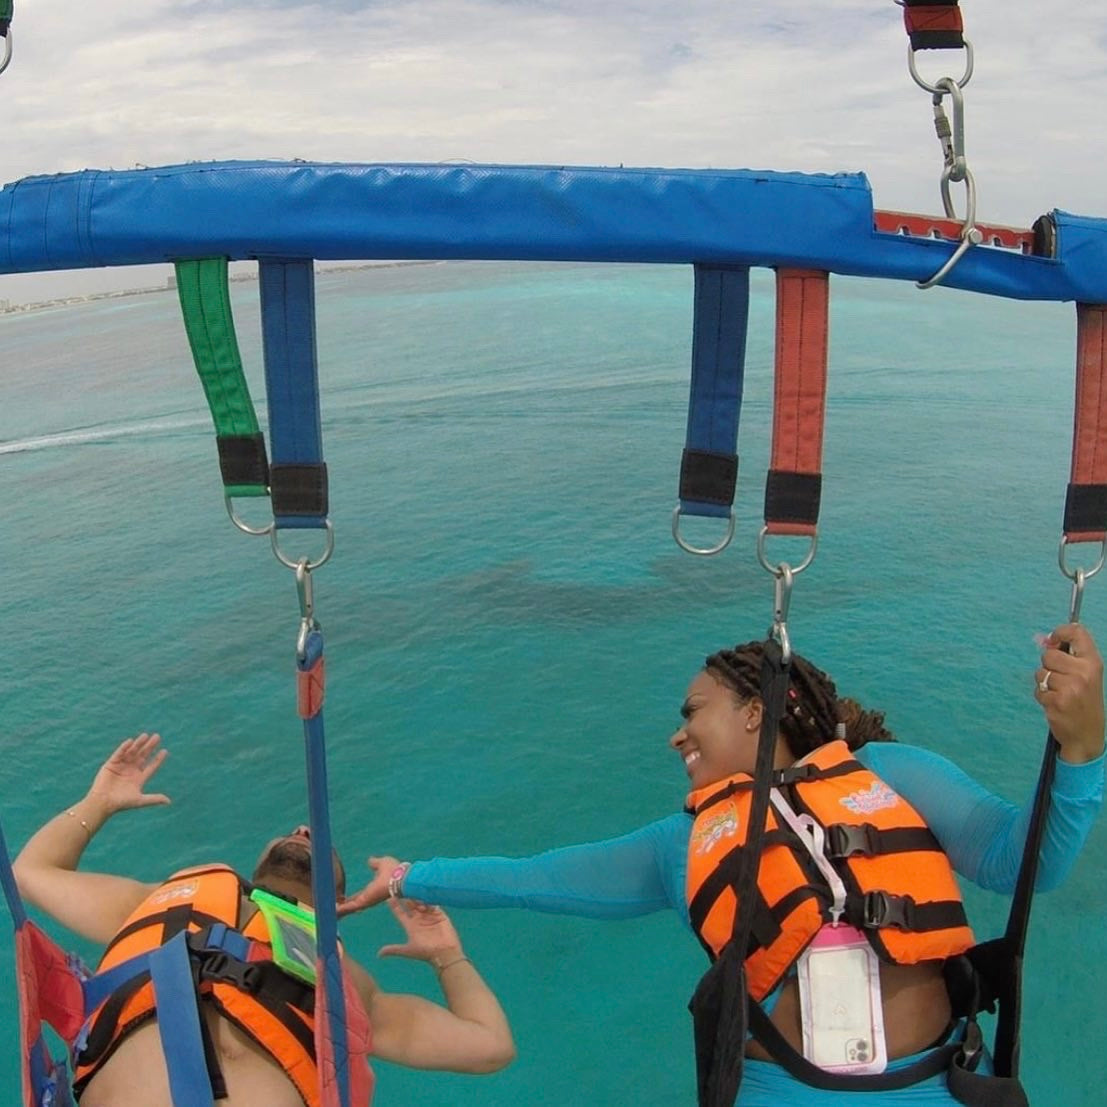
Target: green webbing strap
(5, 15)
(204, 290)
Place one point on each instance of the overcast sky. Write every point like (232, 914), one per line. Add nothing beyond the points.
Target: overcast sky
(819, 85)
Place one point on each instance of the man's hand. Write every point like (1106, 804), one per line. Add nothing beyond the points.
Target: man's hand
(119, 784)
(430, 934)
(376, 891)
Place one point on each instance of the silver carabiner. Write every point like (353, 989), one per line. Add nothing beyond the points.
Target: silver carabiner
(274, 537)
(7, 51)
(954, 152)
(971, 234)
(701, 551)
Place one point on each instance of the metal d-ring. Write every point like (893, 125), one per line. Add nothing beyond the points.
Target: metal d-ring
(701, 551)
(7, 51)
(768, 566)
(243, 526)
(274, 538)
(965, 77)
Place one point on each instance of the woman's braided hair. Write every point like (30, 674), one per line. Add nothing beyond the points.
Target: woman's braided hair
(813, 712)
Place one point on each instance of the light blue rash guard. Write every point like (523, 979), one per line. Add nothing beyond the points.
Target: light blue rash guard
(644, 871)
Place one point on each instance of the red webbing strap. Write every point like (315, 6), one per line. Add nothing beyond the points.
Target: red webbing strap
(1086, 500)
(311, 686)
(933, 24)
(794, 485)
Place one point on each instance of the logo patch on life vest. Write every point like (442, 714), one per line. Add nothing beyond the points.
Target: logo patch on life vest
(715, 829)
(868, 800)
(176, 891)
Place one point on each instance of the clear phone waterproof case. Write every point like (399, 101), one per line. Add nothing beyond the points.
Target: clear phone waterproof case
(291, 934)
(840, 1005)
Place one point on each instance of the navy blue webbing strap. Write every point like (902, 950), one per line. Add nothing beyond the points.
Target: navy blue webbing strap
(323, 891)
(297, 475)
(11, 889)
(179, 1024)
(709, 465)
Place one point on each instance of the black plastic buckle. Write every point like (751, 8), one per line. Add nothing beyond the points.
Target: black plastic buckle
(219, 967)
(844, 840)
(883, 910)
(794, 774)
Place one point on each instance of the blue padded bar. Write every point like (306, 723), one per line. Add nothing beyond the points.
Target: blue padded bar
(526, 213)
(292, 386)
(721, 314)
(322, 880)
(179, 1024)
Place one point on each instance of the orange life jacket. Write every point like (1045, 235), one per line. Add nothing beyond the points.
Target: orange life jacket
(900, 887)
(275, 1009)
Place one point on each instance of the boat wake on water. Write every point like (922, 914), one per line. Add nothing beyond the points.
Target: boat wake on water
(83, 436)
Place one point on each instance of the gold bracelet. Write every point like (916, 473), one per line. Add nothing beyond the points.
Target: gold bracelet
(442, 968)
(73, 815)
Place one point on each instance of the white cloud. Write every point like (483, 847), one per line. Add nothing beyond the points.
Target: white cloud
(765, 84)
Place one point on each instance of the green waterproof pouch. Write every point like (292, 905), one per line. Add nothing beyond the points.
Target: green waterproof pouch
(291, 934)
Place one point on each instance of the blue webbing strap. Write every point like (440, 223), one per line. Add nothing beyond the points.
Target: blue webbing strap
(709, 465)
(11, 890)
(179, 1024)
(322, 878)
(97, 988)
(297, 475)
(48, 1078)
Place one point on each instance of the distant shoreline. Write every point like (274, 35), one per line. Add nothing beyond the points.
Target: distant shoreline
(171, 286)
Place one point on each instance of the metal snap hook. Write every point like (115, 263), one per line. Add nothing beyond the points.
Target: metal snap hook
(306, 593)
(1079, 576)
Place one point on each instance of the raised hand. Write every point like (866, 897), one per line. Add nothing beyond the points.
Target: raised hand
(119, 784)
(376, 891)
(430, 933)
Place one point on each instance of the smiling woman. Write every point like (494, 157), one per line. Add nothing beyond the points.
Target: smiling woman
(859, 856)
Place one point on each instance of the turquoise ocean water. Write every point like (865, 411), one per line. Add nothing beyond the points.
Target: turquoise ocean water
(510, 626)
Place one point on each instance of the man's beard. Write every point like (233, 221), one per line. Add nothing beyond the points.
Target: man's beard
(287, 860)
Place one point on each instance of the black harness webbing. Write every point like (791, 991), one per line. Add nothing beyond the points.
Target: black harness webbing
(1006, 953)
